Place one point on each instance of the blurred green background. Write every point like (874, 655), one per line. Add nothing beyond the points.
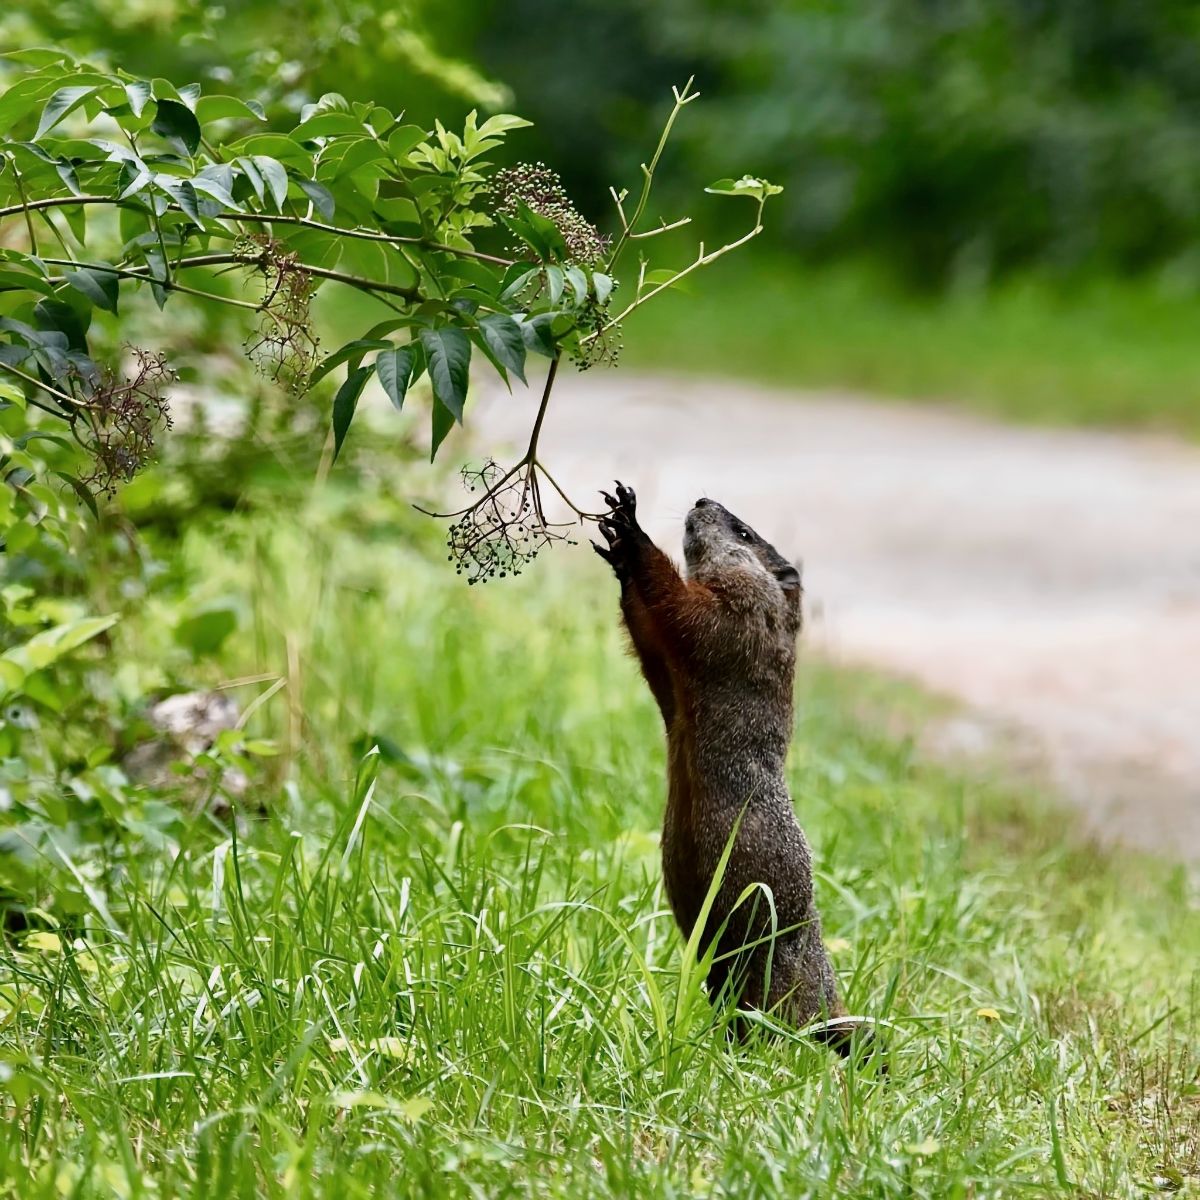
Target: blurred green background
(994, 202)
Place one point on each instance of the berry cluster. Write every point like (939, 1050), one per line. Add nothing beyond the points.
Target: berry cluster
(503, 532)
(123, 414)
(541, 189)
(283, 347)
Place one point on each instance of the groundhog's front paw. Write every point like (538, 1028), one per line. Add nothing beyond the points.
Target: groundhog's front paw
(621, 531)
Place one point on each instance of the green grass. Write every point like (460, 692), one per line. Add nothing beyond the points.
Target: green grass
(463, 980)
(1104, 353)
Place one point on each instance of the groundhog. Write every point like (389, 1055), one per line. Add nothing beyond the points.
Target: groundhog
(718, 650)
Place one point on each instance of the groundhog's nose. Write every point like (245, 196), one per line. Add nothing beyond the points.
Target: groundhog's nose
(703, 502)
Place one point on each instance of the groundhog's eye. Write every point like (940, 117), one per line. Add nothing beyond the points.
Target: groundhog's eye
(743, 533)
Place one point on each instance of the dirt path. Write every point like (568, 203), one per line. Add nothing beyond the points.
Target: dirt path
(1049, 580)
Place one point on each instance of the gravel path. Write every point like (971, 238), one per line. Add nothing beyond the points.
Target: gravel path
(1048, 580)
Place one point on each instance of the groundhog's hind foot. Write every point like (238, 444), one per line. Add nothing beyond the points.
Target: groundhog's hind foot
(853, 1037)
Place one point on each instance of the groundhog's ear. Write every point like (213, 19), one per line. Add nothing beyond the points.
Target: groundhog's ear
(788, 576)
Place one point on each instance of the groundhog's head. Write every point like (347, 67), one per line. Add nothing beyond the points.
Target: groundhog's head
(716, 542)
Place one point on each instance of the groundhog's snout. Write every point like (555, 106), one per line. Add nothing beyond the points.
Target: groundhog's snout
(702, 525)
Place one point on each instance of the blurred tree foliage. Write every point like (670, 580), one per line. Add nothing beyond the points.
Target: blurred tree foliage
(285, 53)
(952, 140)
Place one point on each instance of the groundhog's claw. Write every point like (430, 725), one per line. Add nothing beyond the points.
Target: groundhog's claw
(626, 498)
(616, 554)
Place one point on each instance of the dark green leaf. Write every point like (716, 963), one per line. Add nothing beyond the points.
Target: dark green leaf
(546, 230)
(505, 343)
(177, 124)
(82, 492)
(14, 277)
(100, 287)
(276, 177)
(443, 422)
(516, 278)
(351, 351)
(538, 334)
(395, 369)
(527, 234)
(320, 195)
(158, 275)
(448, 359)
(345, 402)
(63, 318)
(253, 175)
(182, 193)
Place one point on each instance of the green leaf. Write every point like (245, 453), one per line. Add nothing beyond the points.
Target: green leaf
(546, 230)
(603, 285)
(443, 422)
(204, 632)
(38, 56)
(579, 284)
(537, 333)
(177, 124)
(756, 189)
(100, 287)
(354, 350)
(327, 124)
(275, 175)
(401, 141)
(345, 403)
(82, 493)
(216, 180)
(61, 316)
(505, 343)
(13, 279)
(182, 192)
(138, 94)
(64, 101)
(502, 123)
(320, 195)
(228, 108)
(396, 369)
(50, 645)
(20, 99)
(448, 358)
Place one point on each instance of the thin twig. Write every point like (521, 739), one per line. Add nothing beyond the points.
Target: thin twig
(66, 397)
(143, 274)
(682, 97)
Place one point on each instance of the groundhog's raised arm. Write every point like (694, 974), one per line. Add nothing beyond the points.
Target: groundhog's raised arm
(656, 602)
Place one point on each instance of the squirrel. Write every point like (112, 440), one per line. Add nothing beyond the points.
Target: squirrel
(718, 649)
